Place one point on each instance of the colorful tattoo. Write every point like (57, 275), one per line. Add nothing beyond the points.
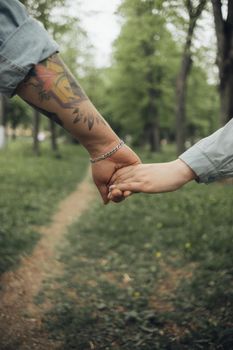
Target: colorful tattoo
(54, 81)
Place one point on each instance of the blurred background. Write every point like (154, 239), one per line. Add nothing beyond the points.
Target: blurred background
(155, 272)
(154, 69)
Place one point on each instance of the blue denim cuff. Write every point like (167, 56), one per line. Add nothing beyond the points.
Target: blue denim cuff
(29, 44)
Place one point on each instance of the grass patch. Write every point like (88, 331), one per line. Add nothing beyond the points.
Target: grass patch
(154, 272)
(31, 188)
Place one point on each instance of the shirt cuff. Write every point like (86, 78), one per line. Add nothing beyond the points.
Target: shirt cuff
(199, 162)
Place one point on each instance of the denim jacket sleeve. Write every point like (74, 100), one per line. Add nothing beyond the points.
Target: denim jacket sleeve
(212, 157)
(23, 43)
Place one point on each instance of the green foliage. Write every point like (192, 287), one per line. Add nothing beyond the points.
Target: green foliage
(154, 272)
(30, 190)
(202, 105)
(64, 25)
(61, 20)
(142, 69)
(142, 78)
(139, 88)
(44, 11)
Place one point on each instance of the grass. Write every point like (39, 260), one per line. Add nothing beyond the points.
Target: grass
(152, 273)
(31, 188)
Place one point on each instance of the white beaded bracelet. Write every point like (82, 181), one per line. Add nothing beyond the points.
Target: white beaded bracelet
(108, 154)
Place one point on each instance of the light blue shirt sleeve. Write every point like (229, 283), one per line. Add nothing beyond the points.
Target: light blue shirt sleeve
(24, 42)
(212, 157)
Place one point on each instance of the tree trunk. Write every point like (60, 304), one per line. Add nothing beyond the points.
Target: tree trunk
(152, 135)
(154, 138)
(151, 126)
(182, 77)
(181, 88)
(13, 136)
(2, 122)
(153, 117)
(226, 98)
(224, 33)
(36, 127)
(153, 122)
(54, 144)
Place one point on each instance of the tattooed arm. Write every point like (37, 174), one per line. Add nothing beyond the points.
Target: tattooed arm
(52, 89)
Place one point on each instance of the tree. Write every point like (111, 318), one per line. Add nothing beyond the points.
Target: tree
(66, 29)
(224, 33)
(202, 105)
(54, 144)
(42, 11)
(194, 13)
(36, 128)
(2, 121)
(18, 113)
(141, 67)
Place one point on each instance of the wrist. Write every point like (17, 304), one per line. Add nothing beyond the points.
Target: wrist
(185, 173)
(108, 154)
(99, 147)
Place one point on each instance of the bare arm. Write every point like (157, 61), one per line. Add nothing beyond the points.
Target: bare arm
(152, 178)
(209, 160)
(52, 89)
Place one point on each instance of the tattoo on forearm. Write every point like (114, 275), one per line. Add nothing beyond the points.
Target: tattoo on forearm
(53, 81)
(48, 114)
(83, 114)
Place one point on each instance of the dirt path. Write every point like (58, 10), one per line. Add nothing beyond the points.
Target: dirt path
(20, 318)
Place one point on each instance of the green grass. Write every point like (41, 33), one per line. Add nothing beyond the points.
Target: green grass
(30, 189)
(154, 272)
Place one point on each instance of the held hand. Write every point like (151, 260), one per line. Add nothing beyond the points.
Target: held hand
(104, 170)
(152, 178)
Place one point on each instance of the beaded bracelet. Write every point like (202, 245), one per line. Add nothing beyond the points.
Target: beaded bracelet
(108, 154)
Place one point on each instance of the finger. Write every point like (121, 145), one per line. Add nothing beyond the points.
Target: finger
(104, 193)
(127, 193)
(117, 193)
(115, 199)
(129, 177)
(117, 196)
(118, 200)
(123, 196)
(131, 187)
(123, 172)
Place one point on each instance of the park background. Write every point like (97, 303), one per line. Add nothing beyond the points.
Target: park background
(154, 272)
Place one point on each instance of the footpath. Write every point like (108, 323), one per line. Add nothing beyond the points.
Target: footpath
(20, 317)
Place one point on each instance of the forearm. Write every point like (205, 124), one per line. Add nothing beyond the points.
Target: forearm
(152, 178)
(51, 88)
(183, 172)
